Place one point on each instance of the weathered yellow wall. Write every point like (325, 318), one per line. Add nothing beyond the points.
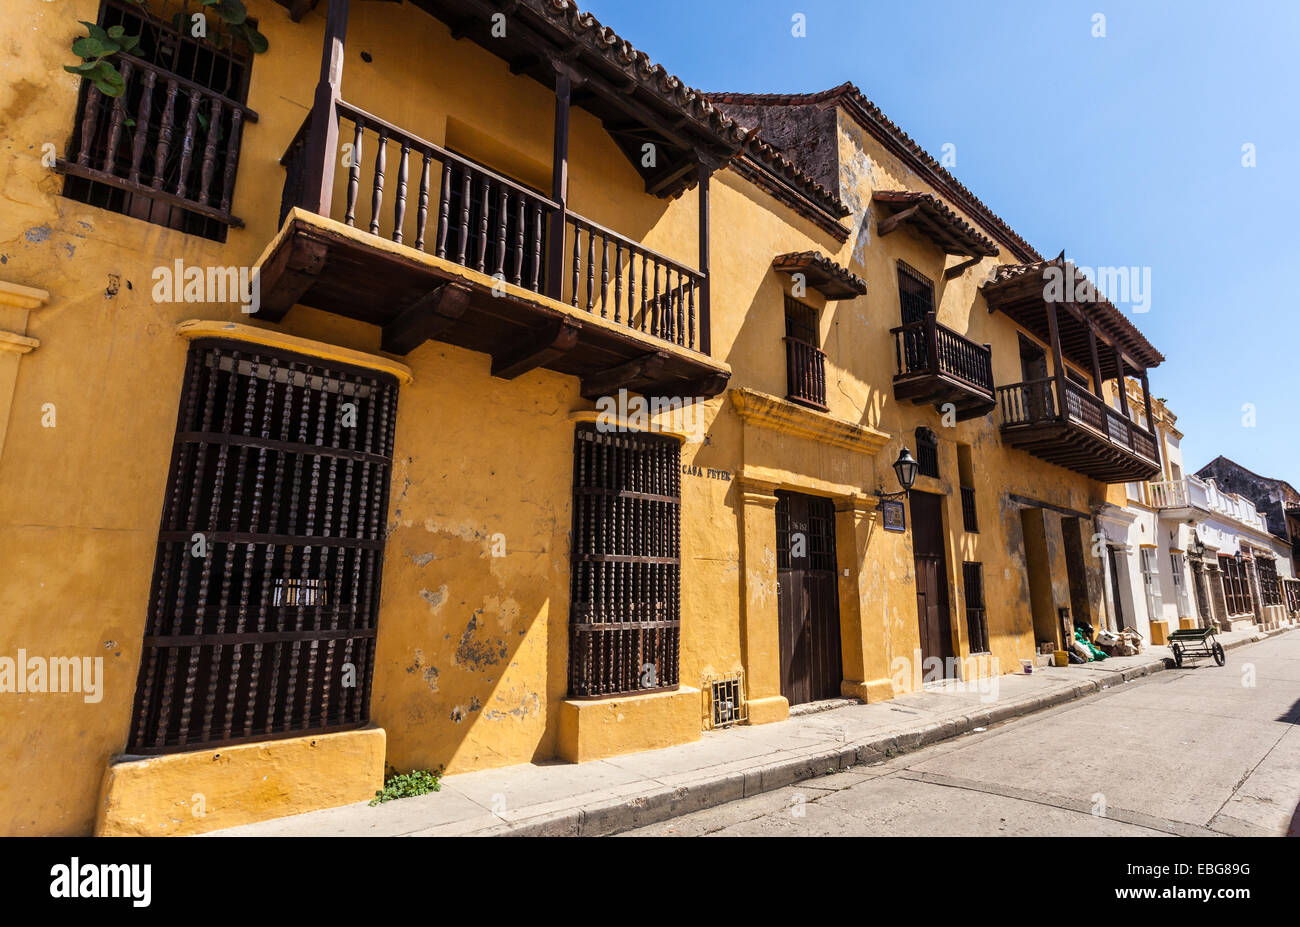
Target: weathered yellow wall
(203, 790)
(472, 649)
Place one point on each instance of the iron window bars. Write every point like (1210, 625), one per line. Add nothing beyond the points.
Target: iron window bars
(977, 626)
(265, 596)
(625, 615)
(927, 452)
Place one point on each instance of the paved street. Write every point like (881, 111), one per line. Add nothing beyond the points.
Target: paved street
(1197, 752)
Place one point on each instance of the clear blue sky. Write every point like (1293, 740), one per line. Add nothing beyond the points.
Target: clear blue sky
(1124, 150)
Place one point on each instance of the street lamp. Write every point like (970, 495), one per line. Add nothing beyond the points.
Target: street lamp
(905, 468)
(1197, 546)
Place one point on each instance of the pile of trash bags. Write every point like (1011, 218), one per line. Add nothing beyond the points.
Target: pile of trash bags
(1085, 648)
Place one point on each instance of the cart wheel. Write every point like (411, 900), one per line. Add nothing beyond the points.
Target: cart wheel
(1178, 653)
(1219, 656)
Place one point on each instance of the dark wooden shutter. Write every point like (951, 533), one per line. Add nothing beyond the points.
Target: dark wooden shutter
(267, 576)
(625, 617)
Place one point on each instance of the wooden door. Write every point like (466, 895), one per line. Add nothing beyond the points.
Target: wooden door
(807, 598)
(1033, 367)
(932, 612)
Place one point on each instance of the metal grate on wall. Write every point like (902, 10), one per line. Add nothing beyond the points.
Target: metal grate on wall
(265, 596)
(927, 452)
(724, 701)
(977, 625)
(625, 618)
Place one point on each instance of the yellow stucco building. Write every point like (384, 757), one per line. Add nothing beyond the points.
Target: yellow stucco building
(394, 500)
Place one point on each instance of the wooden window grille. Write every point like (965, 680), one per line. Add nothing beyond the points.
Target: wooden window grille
(969, 520)
(265, 595)
(1236, 590)
(167, 149)
(977, 625)
(1269, 588)
(625, 613)
(725, 701)
(915, 294)
(805, 363)
(1292, 589)
(927, 452)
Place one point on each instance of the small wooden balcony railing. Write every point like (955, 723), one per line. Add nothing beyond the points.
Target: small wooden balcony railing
(938, 365)
(1081, 433)
(415, 193)
(164, 138)
(805, 371)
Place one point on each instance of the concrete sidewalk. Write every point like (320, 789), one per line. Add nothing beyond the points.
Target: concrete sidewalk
(608, 796)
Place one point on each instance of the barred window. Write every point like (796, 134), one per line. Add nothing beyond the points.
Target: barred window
(927, 452)
(265, 596)
(915, 294)
(805, 363)
(166, 149)
(1236, 590)
(1269, 587)
(625, 618)
(977, 625)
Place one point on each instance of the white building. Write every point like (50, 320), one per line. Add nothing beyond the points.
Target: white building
(1180, 553)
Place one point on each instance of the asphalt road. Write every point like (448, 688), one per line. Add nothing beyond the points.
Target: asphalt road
(1200, 751)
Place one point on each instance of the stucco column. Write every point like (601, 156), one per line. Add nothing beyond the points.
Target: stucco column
(760, 633)
(866, 670)
(16, 304)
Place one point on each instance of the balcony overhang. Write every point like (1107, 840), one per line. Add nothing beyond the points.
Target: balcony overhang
(821, 273)
(939, 390)
(1022, 291)
(415, 296)
(1077, 447)
(936, 365)
(931, 217)
(636, 100)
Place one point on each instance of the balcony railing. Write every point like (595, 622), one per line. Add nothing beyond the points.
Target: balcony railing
(936, 364)
(491, 224)
(805, 366)
(164, 138)
(1194, 492)
(1080, 432)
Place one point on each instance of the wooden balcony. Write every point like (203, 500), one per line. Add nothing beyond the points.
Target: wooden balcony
(1080, 433)
(455, 252)
(938, 366)
(805, 373)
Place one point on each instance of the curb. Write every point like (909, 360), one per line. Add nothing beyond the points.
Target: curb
(622, 814)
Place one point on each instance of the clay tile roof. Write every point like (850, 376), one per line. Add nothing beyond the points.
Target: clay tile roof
(935, 219)
(883, 128)
(833, 280)
(1010, 284)
(588, 33)
(791, 174)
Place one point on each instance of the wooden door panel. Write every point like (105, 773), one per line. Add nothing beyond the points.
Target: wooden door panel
(807, 599)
